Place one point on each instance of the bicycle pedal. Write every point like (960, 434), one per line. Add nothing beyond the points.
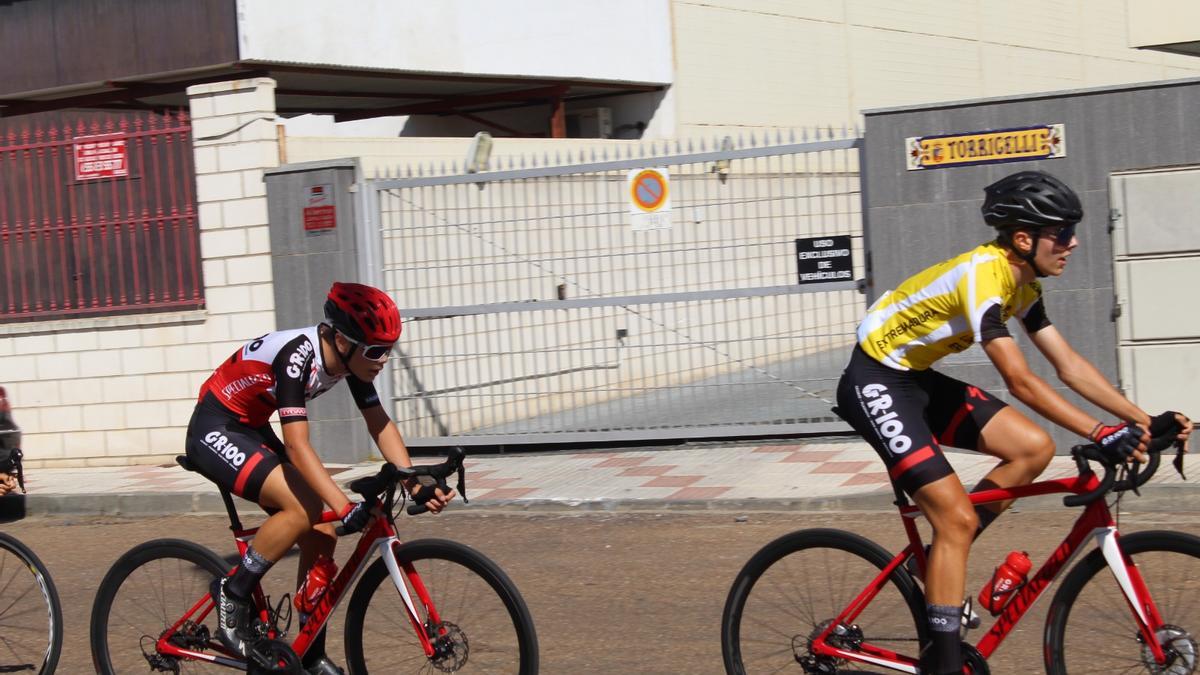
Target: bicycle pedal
(970, 619)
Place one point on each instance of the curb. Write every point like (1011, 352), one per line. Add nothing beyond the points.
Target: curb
(1173, 498)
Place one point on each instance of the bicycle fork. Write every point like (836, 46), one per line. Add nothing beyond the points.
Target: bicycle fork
(404, 575)
(1133, 587)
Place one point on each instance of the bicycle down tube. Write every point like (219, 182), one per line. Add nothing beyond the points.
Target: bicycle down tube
(381, 535)
(1096, 520)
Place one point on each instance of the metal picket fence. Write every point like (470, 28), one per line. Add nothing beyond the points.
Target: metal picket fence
(535, 313)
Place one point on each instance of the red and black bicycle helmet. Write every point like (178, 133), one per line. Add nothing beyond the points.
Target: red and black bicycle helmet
(363, 313)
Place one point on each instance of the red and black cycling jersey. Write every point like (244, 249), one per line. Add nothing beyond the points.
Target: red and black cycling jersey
(279, 371)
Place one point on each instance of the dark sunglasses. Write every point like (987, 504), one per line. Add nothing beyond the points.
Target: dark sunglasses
(1062, 235)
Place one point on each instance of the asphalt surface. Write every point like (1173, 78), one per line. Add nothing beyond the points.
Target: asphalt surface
(610, 592)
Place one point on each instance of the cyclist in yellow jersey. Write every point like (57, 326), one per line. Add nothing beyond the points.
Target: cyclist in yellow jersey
(906, 410)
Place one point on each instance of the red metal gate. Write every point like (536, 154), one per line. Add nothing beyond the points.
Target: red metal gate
(97, 216)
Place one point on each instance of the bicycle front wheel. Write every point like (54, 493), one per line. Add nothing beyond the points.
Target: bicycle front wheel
(31, 630)
(484, 625)
(146, 592)
(791, 590)
(1090, 628)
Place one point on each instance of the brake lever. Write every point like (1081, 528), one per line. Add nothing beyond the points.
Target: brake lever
(1131, 470)
(1178, 461)
(462, 483)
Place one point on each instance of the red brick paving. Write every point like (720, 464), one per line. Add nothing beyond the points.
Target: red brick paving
(656, 470)
(672, 481)
(842, 467)
(812, 456)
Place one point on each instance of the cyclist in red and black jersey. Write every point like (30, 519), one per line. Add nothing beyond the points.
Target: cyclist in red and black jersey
(230, 441)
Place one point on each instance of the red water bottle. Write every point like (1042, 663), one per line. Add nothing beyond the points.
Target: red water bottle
(323, 571)
(1007, 578)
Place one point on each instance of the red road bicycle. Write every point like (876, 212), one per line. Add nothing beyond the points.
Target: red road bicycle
(826, 601)
(429, 605)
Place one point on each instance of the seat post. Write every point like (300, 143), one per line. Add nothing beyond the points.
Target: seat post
(235, 523)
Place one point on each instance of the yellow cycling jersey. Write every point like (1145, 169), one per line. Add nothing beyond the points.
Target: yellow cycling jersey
(947, 308)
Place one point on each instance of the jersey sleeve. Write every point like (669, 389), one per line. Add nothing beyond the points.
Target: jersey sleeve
(364, 393)
(981, 300)
(1036, 319)
(1033, 310)
(291, 368)
(991, 326)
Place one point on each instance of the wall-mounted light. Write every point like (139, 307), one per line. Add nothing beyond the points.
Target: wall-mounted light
(479, 152)
(721, 166)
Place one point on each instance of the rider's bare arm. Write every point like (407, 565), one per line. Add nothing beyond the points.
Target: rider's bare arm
(1032, 390)
(387, 437)
(304, 458)
(1084, 378)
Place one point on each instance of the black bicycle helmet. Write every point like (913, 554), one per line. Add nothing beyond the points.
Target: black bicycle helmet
(1030, 199)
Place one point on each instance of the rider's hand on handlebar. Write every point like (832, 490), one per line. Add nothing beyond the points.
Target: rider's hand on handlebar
(355, 517)
(437, 501)
(1161, 423)
(1121, 441)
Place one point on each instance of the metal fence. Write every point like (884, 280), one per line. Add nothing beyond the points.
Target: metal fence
(535, 313)
(97, 215)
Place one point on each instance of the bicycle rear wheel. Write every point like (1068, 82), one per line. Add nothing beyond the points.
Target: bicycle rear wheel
(1090, 627)
(144, 593)
(485, 626)
(31, 630)
(795, 586)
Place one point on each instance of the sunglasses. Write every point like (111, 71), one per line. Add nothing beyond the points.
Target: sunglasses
(375, 353)
(1062, 235)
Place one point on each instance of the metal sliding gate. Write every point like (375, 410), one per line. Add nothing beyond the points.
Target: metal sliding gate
(535, 313)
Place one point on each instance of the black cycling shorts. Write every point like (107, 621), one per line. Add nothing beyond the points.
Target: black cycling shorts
(236, 457)
(907, 414)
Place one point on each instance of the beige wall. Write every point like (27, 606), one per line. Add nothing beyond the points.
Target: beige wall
(1163, 22)
(791, 63)
(120, 390)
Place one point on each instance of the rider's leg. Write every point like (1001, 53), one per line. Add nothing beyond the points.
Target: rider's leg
(295, 507)
(1024, 449)
(945, 504)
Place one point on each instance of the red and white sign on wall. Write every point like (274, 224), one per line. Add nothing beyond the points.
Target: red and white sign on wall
(100, 157)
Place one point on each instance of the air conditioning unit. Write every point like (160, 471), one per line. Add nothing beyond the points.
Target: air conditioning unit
(590, 123)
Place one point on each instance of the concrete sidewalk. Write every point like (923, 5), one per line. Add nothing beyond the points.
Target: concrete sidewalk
(819, 474)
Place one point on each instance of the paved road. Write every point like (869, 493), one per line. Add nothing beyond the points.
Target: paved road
(615, 592)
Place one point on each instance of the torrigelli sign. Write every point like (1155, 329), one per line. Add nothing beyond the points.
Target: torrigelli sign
(986, 147)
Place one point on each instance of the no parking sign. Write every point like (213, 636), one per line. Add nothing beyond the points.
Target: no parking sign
(649, 199)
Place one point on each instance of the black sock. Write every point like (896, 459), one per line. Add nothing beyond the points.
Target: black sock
(248, 574)
(986, 516)
(944, 654)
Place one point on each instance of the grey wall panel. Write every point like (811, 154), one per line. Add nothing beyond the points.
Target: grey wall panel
(915, 218)
(305, 264)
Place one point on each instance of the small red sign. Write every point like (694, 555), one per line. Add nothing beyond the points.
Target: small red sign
(319, 218)
(100, 157)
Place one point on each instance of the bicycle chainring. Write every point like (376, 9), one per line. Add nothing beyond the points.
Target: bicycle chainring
(451, 649)
(273, 656)
(974, 661)
(1180, 647)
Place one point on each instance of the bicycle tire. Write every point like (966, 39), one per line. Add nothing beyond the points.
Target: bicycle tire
(179, 572)
(1109, 643)
(464, 586)
(19, 599)
(796, 589)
